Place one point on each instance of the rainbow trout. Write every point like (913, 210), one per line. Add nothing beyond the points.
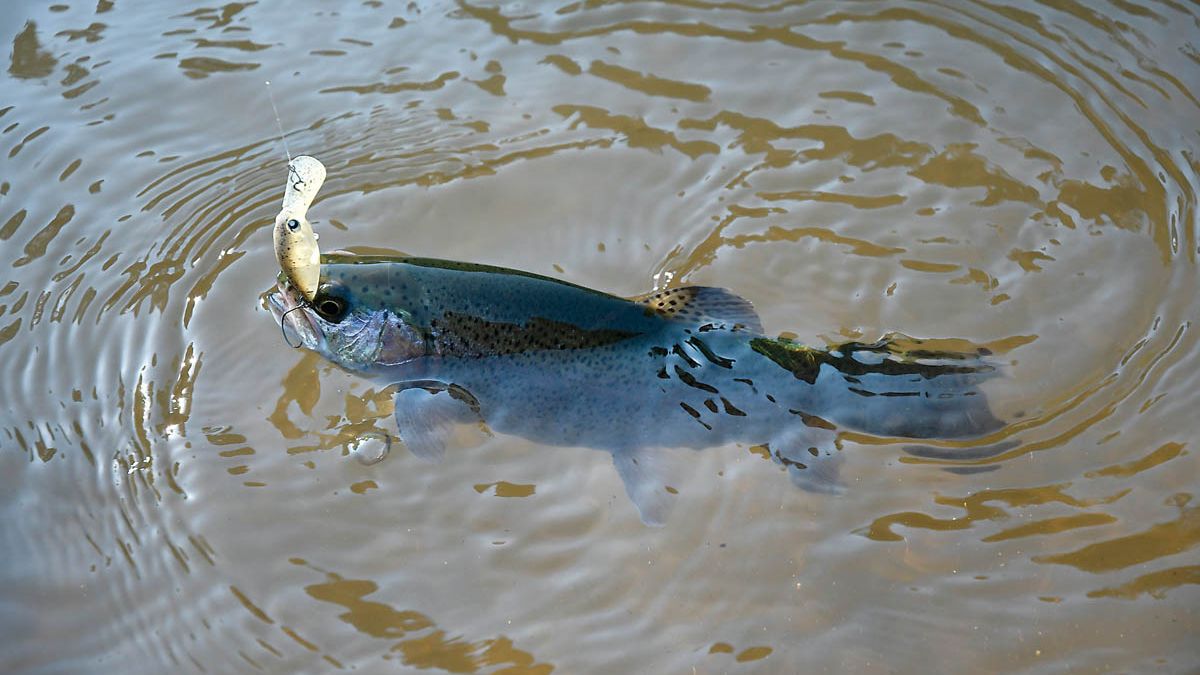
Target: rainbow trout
(565, 365)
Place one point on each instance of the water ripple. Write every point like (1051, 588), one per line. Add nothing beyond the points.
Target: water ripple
(1018, 177)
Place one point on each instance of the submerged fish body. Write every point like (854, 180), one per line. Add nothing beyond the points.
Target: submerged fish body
(565, 365)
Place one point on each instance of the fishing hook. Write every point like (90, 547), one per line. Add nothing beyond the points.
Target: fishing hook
(283, 322)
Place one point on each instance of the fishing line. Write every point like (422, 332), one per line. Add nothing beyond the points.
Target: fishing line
(286, 151)
(279, 124)
(282, 329)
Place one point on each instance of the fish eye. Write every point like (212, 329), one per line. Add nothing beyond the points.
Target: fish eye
(293, 224)
(330, 308)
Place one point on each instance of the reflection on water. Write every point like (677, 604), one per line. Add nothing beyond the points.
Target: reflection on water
(29, 60)
(180, 490)
(432, 648)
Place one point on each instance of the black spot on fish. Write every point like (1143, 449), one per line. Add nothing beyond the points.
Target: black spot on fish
(679, 351)
(691, 381)
(731, 409)
(694, 413)
(708, 353)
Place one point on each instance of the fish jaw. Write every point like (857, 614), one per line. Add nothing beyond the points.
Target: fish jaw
(290, 310)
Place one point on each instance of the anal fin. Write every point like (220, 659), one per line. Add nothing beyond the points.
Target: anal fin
(644, 474)
(812, 459)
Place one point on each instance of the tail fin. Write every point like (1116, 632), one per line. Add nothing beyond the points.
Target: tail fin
(889, 388)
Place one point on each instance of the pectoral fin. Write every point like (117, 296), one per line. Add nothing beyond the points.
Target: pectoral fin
(704, 305)
(432, 417)
(644, 474)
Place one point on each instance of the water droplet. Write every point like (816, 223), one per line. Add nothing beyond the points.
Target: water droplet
(371, 448)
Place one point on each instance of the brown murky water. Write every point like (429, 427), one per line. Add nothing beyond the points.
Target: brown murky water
(176, 492)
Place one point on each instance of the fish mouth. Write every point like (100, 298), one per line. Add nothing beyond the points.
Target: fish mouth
(291, 312)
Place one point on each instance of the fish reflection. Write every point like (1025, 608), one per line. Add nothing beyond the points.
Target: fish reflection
(565, 365)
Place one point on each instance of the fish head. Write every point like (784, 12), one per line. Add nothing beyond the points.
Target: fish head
(349, 320)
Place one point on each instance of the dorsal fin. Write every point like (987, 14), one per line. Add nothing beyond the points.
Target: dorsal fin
(700, 305)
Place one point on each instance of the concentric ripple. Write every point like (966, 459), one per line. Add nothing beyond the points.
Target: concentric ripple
(180, 490)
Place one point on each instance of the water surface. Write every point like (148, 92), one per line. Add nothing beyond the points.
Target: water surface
(177, 487)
